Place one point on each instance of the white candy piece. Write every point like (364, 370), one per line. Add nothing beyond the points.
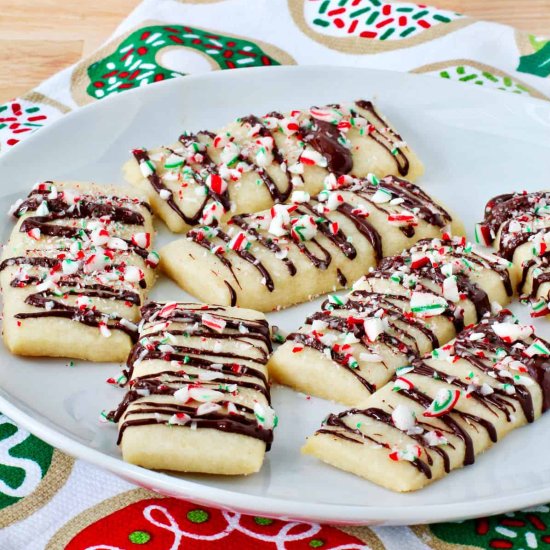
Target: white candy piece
(265, 416)
(70, 267)
(303, 228)
(381, 196)
(133, 274)
(450, 289)
(373, 328)
(299, 197)
(403, 418)
(424, 304)
(205, 395)
(279, 221)
(512, 331)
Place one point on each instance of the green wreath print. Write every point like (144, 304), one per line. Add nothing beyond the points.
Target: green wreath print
(134, 62)
(538, 62)
(526, 530)
(24, 461)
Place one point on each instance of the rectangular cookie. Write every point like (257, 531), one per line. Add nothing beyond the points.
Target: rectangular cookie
(198, 397)
(444, 409)
(255, 162)
(76, 270)
(518, 226)
(409, 305)
(291, 253)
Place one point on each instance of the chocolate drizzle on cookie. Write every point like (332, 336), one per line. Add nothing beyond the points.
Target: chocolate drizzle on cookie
(495, 349)
(388, 293)
(519, 219)
(201, 349)
(326, 213)
(74, 254)
(324, 130)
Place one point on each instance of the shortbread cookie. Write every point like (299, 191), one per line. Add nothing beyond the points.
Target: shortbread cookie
(255, 162)
(76, 270)
(440, 412)
(291, 253)
(411, 304)
(518, 225)
(198, 399)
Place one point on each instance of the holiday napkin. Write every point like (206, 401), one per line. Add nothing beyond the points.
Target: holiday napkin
(47, 499)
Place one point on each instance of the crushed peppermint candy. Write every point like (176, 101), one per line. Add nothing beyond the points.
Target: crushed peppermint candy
(239, 242)
(104, 330)
(147, 167)
(311, 157)
(303, 228)
(133, 274)
(434, 438)
(444, 402)
(300, 197)
(409, 453)
(182, 395)
(381, 196)
(373, 327)
(538, 347)
(69, 267)
(450, 289)
(204, 395)
(43, 209)
(402, 383)
(207, 408)
(425, 304)
(34, 233)
(280, 218)
(179, 419)
(143, 240)
(216, 184)
(213, 322)
(212, 213)
(265, 416)
(512, 332)
(403, 418)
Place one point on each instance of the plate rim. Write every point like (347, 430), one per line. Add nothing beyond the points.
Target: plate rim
(278, 507)
(274, 507)
(242, 72)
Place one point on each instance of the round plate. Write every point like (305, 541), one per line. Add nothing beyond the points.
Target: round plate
(475, 144)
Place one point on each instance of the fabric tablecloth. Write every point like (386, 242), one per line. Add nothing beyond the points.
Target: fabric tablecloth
(49, 500)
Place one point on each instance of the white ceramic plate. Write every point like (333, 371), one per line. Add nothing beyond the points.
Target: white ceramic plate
(475, 144)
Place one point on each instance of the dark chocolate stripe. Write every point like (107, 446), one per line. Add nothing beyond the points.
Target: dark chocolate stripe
(253, 336)
(156, 182)
(401, 160)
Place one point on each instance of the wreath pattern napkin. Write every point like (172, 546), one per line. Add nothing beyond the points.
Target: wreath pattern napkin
(47, 499)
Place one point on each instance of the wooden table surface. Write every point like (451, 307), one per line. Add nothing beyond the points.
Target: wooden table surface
(40, 37)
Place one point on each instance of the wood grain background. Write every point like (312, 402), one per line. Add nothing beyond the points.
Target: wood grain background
(40, 37)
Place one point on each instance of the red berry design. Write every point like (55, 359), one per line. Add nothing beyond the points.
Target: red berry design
(168, 523)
